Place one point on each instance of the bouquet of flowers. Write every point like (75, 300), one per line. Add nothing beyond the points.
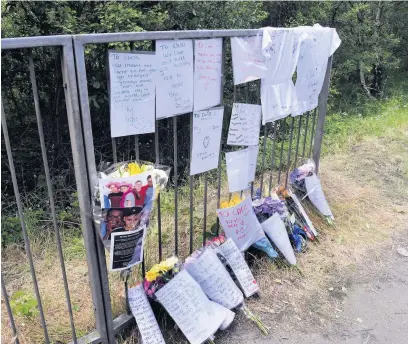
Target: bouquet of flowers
(208, 271)
(306, 183)
(196, 316)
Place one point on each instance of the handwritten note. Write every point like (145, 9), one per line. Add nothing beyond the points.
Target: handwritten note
(245, 124)
(132, 93)
(207, 130)
(239, 266)
(190, 308)
(248, 63)
(252, 160)
(145, 319)
(237, 169)
(215, 280)
(240, 224)
(207, 73)
(175, 82)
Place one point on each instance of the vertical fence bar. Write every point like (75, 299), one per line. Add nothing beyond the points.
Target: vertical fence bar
(84, 166)
(263, 158)
(191, 184)
(9, 312)
(298, 139)
(137, 153)
(305, 138)
(281, 152)
(50, 192)
(220, 154)
(114, 150)
(175, 158)
(22, 222)
(312, 133)
(205, 208)
(292, 124)
(323, 97)
(157, 152)
(273, 155)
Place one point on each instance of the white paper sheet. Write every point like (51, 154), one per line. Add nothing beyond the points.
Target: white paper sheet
(239, 266)
(276, 231)
(207, 130)
(190, 308)
(316, 195)
(215, 280)
(237, 169)
(240, 224)
(175, 80)
(248, 63)
(207, 73)
(281, 50)
(145, 319)
(132, 79)
(253, 159)
(314, 53)
(244, 125)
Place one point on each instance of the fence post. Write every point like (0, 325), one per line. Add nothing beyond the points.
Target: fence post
(323, 97)
(84, 196)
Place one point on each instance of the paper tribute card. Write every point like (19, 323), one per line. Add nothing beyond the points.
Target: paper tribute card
(207, 73)
(207, 130)
(132, 83)
(245, 124)
(175, 78)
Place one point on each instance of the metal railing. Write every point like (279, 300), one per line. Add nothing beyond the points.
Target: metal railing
(284, 143)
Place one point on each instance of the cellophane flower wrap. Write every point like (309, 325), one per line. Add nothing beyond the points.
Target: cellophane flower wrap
(206, 268)
(182, 297)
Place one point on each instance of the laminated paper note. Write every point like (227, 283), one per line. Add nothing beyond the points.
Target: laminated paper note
(132, 93)
(244, 125)
(313, 57)
(316, 195)
(275, 229)
(175, 80)
(240, 267)
(207, 130)
(237, 169)
(252, 160)
(190, 308)
(240, 224)
(215, 280)
(145, 319)
(207, 73)
(248, 63)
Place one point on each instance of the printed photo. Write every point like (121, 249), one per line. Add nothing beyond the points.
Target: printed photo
(126, 249)
(116, 220)
(128, 192)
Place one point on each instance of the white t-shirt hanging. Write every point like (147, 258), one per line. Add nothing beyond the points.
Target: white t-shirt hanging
(280, 48)
(315, 50)
(248, 63)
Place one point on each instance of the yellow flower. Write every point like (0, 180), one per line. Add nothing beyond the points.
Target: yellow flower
(224, 204)
(134, 168)
(234, 201)
(144, 168)
(151, 276)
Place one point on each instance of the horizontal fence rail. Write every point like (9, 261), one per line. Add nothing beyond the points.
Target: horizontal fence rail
(184, 216)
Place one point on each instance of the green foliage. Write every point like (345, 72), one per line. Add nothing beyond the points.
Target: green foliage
(23, 304)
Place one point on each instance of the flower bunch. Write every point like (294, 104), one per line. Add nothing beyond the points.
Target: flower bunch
(233, 201)
(270, 206)
(134, 168)
(159, 275)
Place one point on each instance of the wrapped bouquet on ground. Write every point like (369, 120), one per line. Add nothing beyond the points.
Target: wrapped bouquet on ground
(217, 284)
(306, 183)
(182, 297)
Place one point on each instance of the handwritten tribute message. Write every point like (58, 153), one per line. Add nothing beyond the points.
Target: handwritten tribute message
(238, 169)
(248, 62)
(190, 308)
(207, 73)
(239, 266)
(207, 129)
(175, 81)
(215, 280)
(245, 124)
(240, 224)
(132, 93)
(145, 319)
